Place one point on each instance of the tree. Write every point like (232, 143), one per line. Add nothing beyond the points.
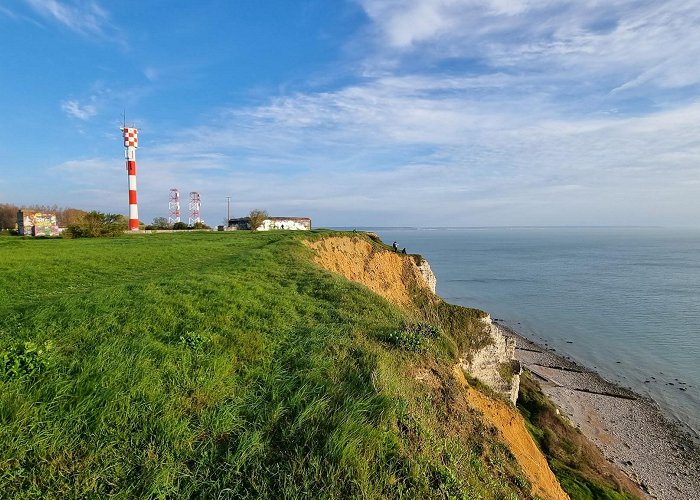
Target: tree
(68, 216)
(8, 216)
(96, 224)
(200, 225)
(179, 226)
(256, 218)
(160, 223)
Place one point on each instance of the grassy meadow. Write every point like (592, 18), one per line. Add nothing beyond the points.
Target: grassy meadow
(222, 365)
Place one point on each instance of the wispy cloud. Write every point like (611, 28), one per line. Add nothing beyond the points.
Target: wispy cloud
(7, 12)
(100, 97)
(85, 17)
(627, 42)
(17, 16)
(461, 146)
(79, 111)
(151, 73)
(466, 113)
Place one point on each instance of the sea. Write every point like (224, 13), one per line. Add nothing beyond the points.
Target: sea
(624, 301)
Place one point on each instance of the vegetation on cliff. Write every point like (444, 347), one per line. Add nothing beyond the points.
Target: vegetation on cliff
(227, 365)
(579, 465)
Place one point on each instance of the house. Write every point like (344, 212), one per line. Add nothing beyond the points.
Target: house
(282, 223)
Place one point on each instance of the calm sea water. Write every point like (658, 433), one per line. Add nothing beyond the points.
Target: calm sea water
(625, 301)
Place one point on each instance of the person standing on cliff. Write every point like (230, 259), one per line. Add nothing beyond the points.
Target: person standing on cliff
(395, 246)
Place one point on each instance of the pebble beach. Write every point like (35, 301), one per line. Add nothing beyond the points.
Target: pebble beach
(631, 431)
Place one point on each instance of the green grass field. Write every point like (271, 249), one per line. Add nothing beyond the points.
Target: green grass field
(221, 365)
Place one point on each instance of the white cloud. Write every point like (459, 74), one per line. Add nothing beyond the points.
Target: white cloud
(524, 129)
(630, 43)
(416, 146)
(151, 73)
(80, 111)
(85, 17)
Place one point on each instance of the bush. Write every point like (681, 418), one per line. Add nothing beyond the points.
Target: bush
(96, 224)
(413, 337)
(256, 218)
(24, 360)
(159, 223)
(180, 226)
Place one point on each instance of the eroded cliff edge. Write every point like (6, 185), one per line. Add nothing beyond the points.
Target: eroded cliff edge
(408, 281)
(401, 279)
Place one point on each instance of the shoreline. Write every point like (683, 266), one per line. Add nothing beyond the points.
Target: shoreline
(631, 431)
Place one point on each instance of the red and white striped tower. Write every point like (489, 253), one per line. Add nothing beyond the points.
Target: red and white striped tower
(131, 142)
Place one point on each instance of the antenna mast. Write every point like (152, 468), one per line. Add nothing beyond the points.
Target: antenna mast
(174, 206)
(195, 206)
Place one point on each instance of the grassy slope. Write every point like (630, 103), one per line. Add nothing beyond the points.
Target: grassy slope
(280, 388)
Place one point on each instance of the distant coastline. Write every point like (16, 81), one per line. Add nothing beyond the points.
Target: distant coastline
(430, 228)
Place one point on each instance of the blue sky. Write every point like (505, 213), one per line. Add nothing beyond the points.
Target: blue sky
(359, 112)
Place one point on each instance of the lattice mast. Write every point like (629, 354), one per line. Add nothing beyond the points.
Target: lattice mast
(195, 206)
(131, 142)
(174, 206)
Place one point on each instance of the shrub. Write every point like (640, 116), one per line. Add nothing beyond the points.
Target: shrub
(413, 337)
(505, 370)
(180, 226)
(24, 360)
(159, 223)
(256, 218)
(96, 224)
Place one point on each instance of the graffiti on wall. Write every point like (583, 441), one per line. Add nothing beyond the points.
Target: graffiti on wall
(38, 224)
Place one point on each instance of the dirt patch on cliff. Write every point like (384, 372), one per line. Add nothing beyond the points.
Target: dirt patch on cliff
(511, 426)
(393, 276)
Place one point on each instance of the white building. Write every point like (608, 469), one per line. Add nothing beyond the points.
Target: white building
(272, 223)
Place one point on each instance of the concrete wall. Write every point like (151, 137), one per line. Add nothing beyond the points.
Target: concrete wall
(37, 224)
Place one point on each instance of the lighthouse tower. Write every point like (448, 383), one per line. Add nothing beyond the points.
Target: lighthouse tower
(131, 142)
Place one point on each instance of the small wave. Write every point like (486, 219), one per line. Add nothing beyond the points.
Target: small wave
(490, 280)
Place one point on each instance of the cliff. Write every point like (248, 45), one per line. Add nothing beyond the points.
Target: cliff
(495, 364)
(401, 279)
(409, 282)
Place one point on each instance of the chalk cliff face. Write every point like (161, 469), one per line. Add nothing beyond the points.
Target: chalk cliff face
(426, 273)
(495, 364)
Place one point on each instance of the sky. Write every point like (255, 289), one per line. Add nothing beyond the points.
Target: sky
(358, 112)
